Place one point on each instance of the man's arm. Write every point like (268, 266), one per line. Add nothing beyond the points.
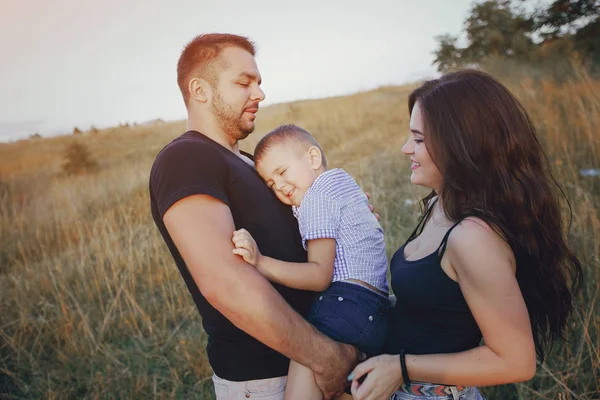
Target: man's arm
(201, 227)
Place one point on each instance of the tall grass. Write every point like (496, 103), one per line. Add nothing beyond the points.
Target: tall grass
(92, 305)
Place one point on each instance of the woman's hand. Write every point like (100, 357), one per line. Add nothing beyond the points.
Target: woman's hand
(383, 379)
(371, 207)
(246, 247)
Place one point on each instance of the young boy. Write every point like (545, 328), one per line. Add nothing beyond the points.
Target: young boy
(346, 250)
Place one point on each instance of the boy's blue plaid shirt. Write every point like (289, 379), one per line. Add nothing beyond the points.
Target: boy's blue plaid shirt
(335, 207)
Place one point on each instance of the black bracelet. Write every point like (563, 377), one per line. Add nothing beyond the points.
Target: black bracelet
(403, 367)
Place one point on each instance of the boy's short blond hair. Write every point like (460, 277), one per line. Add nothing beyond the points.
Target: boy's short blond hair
(283, 134)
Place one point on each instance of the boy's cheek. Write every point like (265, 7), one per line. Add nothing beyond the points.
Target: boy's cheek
(283, 199)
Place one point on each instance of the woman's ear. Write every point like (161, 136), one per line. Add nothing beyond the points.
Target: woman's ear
(316, 158)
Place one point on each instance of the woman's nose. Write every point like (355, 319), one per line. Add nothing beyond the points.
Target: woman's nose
(407, 147)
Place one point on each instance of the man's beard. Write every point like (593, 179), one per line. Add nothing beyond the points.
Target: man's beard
(229, 119)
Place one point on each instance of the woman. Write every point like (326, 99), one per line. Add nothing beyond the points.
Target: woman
(488, 259)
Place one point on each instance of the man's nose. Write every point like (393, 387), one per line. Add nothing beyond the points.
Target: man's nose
(258, 94)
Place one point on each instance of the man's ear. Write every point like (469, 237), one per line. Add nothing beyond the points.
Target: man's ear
(199, 89)
(316, 157)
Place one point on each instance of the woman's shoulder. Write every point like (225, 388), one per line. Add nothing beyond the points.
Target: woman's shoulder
(474, 243)
(474, 226)
(474, 231)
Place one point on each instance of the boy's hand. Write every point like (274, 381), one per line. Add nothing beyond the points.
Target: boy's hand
(245, 246)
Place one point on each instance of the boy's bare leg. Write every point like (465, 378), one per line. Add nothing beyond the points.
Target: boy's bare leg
(301, 384)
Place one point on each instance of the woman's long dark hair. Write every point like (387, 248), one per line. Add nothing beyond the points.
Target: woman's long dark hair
(493, 166)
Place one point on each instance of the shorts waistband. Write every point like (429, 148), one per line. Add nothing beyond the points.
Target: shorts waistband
(364, 287)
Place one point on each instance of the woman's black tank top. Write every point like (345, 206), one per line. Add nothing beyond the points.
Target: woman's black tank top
(431, 315)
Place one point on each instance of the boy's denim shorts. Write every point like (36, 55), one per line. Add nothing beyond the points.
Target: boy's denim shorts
(350, 313)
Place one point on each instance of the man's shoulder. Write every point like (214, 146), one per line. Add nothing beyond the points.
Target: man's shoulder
(188, 159)
(186, 143)
(188, 149)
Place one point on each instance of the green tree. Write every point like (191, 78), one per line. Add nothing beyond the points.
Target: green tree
(496, 28)
(567, 16)
(502, 29)
(576, 20)
(448, 57)
(493, 28)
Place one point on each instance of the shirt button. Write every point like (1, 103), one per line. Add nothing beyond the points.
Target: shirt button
(340, 298)
(247, 395)
(370, 318)
(320, 297)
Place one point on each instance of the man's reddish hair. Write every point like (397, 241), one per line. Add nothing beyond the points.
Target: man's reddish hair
(199, 58)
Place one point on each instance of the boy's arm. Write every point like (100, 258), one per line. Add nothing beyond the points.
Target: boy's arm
(313, 275)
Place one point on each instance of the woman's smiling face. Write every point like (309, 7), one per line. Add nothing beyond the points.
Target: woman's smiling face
(424, 171)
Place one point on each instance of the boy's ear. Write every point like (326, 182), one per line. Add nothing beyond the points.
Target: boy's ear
(199, 89)
(316, 157)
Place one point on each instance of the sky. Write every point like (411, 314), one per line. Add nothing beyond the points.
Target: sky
(67, 63)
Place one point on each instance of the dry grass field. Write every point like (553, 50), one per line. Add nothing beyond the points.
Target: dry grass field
(92, 305)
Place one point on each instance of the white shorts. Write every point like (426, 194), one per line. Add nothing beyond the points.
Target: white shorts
(265, 389)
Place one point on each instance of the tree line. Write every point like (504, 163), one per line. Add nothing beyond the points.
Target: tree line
(549, 34)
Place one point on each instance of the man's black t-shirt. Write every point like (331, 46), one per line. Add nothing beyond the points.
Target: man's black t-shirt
(194, 164)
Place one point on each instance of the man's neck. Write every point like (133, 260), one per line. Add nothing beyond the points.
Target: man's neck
(209, 128)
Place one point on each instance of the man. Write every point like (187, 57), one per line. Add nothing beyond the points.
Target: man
(203, 188)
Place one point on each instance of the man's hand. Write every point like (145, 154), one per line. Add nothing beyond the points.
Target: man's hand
(246, 247)
(331, 375)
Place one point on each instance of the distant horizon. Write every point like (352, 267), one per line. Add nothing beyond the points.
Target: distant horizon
(16, 131)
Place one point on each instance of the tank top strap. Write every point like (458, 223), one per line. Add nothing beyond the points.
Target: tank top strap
(421, 223)
(416, 231)
(442, 247)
